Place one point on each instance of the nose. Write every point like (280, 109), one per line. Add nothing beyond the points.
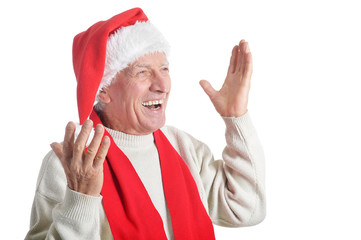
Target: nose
(160, 83)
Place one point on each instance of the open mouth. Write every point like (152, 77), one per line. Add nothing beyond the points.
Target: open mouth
(154, 105)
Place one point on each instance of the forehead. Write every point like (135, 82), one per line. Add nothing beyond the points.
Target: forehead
(151, 60)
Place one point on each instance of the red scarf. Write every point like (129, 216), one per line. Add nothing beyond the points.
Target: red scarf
(129, 209)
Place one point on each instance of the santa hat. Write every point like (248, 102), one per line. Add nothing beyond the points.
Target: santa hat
(108, 47)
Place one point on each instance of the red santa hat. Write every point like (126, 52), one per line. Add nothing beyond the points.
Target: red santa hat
(108, 47)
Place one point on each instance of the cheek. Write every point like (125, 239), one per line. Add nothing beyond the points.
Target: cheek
(134, 94)
(139, 91)
(169, 83)
(132, 90)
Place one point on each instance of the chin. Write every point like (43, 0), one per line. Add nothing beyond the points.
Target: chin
(155, 126)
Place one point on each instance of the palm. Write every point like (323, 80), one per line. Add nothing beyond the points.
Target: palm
(232, 99)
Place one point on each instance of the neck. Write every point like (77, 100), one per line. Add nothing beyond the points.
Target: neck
(112, 122)
(103, 118)
(109, 121)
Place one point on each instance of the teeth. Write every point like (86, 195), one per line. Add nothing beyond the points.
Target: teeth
(150, 103)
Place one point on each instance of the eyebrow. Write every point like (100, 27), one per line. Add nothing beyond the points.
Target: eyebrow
(148, 65)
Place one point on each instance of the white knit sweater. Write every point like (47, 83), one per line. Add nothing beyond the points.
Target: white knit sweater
(232, 189)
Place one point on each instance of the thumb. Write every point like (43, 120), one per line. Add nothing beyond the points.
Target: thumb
(58, 149)
(208, 89)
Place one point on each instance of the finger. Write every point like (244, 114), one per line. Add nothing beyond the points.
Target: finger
(94, 145)
(102, 152)
(58, 149)
(248, 68)
(81, 140)
(240, 56)
(233, 61)
(68, 143)
(208, 89)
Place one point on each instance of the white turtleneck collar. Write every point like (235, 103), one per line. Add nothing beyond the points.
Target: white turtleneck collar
(131, 141)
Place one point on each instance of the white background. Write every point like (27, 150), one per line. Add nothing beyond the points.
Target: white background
(304, 101)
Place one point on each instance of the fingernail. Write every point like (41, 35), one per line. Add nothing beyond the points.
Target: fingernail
(99, 128)
(70, 126)
(88, 123)
(247, 48)
(106, 139)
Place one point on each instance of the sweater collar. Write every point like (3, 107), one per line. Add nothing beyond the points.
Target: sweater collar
(129, 140)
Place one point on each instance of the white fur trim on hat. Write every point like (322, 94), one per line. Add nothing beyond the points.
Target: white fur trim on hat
(127, 44)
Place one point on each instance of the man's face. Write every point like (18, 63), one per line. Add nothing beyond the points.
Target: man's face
(139, 94)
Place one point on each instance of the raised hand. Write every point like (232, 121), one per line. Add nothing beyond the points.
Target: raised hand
(84, 171)
(232, 99)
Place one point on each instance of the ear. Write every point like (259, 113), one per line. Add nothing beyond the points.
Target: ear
(104, 96)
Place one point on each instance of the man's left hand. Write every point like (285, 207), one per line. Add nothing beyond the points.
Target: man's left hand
(232, 99)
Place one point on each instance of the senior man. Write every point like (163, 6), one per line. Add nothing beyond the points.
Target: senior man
(132, 177)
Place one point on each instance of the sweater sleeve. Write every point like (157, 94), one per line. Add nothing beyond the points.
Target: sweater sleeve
(58, 212)
(232, 188)
(235, 186)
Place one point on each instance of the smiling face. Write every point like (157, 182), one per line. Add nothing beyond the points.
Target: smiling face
(136, 100)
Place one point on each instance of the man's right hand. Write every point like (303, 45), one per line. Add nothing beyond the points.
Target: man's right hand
(84, 171)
